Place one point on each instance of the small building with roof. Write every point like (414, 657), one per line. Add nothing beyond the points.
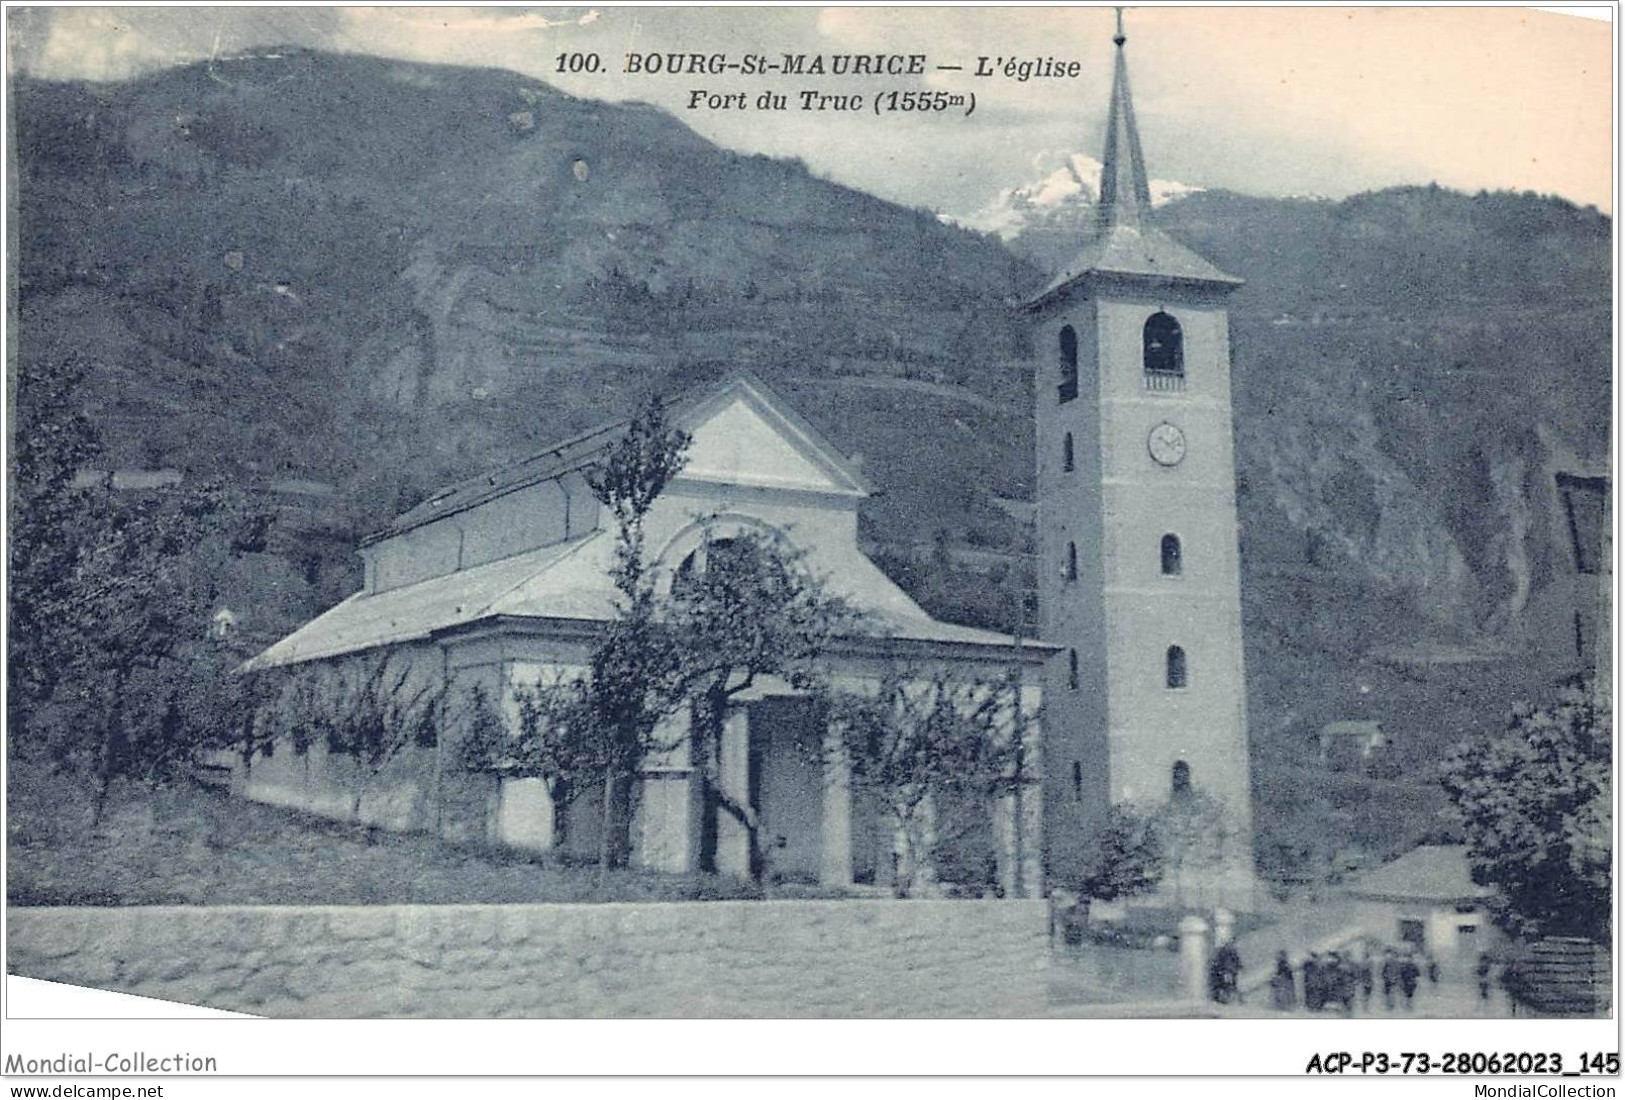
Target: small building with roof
(223, 624)
(504, 580)
(1427, 899)
(1351, 745)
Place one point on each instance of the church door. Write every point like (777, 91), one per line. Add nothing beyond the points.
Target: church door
(786, 786)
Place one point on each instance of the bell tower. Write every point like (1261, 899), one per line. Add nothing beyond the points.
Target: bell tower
(1139, 572)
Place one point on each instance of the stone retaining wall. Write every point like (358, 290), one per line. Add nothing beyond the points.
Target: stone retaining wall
(697, 959)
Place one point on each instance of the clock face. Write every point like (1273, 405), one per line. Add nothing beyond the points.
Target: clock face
(1166, 444)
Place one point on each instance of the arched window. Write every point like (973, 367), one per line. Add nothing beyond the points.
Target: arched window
(1178, 676)
(1071, 573)
(1067, 463)
(1179, 782)
(687, 571)
(697, 562)
(1077, 780)
(1072, 670)
(1172, 562)
(1164, 345)
(1068, 388)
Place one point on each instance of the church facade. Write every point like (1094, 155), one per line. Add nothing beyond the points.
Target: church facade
(1139, 574)
(504, 581)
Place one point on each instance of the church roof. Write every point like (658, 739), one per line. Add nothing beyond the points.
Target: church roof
(1432, 873)
(1126, 244)
(1137, 251)
(582, 450)
(1356, 727)
(739, 428)
(569, 583)
(415, 612)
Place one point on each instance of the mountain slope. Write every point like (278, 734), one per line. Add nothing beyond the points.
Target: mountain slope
(461, 251)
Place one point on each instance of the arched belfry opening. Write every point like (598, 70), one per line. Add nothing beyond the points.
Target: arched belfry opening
(1164, 346)
(1068, 388)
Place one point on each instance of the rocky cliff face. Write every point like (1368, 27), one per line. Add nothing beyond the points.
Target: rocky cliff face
(1411, 370)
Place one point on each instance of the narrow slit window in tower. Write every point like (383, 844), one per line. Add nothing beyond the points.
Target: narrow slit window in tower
(1068, 389)
(1178, 676)
(1072, 670)
(1172, 560)
(1067, 463)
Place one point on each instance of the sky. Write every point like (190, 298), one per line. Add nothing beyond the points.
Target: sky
(1267, 101)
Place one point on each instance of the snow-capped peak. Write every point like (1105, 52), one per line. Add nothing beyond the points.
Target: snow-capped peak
(1065, 187)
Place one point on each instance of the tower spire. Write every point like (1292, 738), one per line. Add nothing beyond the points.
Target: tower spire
(1125, 193)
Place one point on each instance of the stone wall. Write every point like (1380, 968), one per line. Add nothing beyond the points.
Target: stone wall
(697, 959)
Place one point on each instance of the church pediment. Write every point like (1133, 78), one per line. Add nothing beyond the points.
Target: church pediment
(743, 435)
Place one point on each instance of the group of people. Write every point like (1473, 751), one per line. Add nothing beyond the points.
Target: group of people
(1335, 979)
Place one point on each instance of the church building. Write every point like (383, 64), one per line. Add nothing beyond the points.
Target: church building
(505, 581)
(1136, 684)
(1139, 573)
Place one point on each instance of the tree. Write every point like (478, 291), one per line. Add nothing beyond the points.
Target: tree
(557, 740)
(235, 711)
(1125, 857)
(1534, 802)
(135, 606)
(110, 593)
(918, 739)
(486, 745)
(52, 441)
(1293, 841)
(634, 680)
(744, 609)
(369, 713)
(1199, 842)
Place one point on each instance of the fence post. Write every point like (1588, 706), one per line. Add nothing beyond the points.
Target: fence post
(1194, 953)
